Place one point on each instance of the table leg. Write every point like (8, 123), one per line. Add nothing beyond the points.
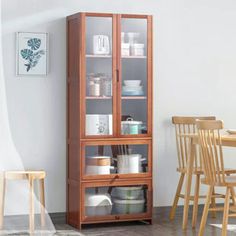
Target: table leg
(188, 184)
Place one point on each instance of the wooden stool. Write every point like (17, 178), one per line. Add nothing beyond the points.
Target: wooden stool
(24, 175)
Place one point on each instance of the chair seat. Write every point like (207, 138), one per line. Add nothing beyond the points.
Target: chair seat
(198, 170)
(229, 181)
(35, 174)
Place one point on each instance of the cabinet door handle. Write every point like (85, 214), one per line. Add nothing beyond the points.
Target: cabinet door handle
(117, 76)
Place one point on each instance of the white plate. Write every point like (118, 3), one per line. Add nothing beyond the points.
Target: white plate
(231, 131)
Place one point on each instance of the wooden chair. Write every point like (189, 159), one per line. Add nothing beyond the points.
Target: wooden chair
(214, 171)
(24, 175)
(187, 125)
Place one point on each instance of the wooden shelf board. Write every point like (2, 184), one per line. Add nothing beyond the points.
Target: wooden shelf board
(134, 57)
(133, 97)
(98, 98)
(98, 56)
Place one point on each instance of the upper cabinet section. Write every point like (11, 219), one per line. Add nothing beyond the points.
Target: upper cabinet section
(115, 76)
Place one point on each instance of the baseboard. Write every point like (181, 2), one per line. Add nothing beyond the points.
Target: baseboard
(60, 217)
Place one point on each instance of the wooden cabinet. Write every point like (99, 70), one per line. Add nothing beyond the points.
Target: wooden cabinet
(109, 118)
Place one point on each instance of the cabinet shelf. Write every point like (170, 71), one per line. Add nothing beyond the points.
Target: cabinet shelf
(97, 56)
(133, 57)
(123, 97)
(133, 97)
(98, 98)
(110, 56)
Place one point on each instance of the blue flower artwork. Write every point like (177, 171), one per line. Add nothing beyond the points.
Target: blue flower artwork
(32, 54)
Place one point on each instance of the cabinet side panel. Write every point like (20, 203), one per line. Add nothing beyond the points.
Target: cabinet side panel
(73, 122)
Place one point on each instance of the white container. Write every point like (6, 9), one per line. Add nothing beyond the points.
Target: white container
(133, 37)
(132, 83)
(125, 49)
(128, 206)
(101, 45)
(137, 49)
(122, 37)
(98, 165)
(129, 163)
(128, 193)
(97, 204)
(98, 124)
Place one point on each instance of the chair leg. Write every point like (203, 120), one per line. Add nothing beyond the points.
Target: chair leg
(195, 203)
(213, 204)
(226, 212)
(2, 197)
(205, 211)
(233, 195)
(42, 201)
(178, 191)
(31, 204)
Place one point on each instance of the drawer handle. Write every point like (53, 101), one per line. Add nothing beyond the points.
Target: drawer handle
(117, 217)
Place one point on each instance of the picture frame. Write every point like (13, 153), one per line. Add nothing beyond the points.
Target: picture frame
(32, 52)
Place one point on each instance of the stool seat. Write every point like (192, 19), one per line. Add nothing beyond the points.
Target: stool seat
(35, 174)
(29, 175)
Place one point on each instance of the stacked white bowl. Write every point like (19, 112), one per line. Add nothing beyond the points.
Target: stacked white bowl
(132, 88)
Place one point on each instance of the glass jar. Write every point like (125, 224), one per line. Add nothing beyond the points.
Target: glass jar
(94, 85)
(106, 86)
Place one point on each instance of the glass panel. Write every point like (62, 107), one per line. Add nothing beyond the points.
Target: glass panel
(119, 200)
(134, 76)
(99, 76)
(112, 159)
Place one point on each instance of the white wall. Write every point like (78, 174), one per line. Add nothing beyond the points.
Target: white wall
(194, 74)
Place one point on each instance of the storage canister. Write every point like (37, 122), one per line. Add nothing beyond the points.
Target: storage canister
(98, 165)
(137, 49)
(125, 49)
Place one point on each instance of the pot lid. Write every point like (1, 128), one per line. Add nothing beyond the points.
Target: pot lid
(137, 201)
(98, 200)
(128, 188)
(131, 122)
(129, 155)
(99, 157)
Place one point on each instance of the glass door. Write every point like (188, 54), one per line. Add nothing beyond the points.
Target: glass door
(116, 159)
(117, 201)
(135, 71)
(99, 76)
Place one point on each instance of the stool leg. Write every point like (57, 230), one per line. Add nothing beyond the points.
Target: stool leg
(2, 197)
(42, 201)
(31, 203)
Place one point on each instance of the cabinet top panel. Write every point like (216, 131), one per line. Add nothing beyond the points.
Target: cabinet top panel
(99, 14)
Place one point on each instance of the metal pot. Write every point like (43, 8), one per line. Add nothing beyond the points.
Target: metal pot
(129, 163)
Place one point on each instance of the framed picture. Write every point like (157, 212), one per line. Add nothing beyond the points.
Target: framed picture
(31, 53)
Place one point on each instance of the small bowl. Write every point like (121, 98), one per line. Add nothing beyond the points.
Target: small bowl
(132, 83)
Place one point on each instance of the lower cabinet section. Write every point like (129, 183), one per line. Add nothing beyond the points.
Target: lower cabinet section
(117, 201)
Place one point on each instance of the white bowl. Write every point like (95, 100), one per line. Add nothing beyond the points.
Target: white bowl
(132, 83)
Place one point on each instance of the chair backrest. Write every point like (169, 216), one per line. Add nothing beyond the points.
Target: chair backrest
(211, 148)
(187, 125)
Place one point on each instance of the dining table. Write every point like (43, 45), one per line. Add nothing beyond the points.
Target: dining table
(228, 140)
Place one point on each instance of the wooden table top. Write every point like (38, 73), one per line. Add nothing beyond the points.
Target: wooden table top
(226, 139)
